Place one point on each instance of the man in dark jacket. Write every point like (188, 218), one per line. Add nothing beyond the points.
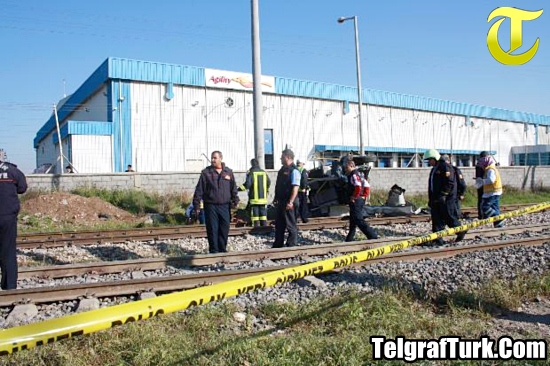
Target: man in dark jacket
(442, 190)
(286, 201)
(257, 183)
(460, 184)
(218, 191)
(480, 172)
(12, 183)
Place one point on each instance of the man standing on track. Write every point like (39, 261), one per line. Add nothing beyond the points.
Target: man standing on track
(12, 183)
(460, 184)
(491, 183)
(286, 201)
(257, 183)
(303, 209)
(442, 190)
(480, 172)
(218, 191)
(357, 192)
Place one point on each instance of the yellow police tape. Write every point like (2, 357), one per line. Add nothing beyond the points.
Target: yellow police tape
(32, 335)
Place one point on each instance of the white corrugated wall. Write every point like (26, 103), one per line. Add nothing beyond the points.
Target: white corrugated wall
(401, 127)
(178, 134)
(297, 133)
(459, 134)
(91, 153)
(350, 126)
(47, 152)
(194, 129)
(477, 134)
(543, 135)
(508, 134)
(327, 123)
(147, 149)
(94, 109)
(172, 129)
(226, 125)
(442, 131)
(380, 127)
(425, 137)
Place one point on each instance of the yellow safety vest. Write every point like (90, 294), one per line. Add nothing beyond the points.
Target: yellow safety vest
(495, 187)
(259, 194)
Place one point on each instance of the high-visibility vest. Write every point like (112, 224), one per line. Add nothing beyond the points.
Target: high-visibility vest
(258, 194)
(495, 187)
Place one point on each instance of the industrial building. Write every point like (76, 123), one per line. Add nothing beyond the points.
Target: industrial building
(162, 117)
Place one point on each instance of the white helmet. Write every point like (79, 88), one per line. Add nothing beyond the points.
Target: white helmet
(431, 154)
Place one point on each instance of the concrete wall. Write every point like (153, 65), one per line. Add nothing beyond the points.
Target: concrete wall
(414, 180)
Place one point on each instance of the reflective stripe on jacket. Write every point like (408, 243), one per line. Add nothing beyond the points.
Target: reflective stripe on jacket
(257, 193)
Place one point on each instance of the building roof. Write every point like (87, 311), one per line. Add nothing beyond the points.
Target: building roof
(157, 72)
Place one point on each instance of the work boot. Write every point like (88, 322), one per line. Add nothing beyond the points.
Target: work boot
(460, 236)
(435, 243)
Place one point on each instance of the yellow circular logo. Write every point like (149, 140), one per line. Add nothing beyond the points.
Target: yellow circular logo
(516, 16)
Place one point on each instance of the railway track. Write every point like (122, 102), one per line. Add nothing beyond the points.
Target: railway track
(197, 260)
(182, 282)
(82, 238)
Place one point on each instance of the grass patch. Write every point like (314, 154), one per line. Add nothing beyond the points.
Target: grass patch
(510, 196)
(325, 331)
(138, 202)
(499, 295)
(34, 224)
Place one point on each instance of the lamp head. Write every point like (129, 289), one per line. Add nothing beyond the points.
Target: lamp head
(341, 20)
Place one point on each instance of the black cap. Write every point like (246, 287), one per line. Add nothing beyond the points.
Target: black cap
(484, 154)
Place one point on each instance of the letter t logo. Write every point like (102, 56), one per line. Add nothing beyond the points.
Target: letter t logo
(517, 16)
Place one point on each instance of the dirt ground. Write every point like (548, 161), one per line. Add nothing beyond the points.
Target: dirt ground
(72, 209)
(531, 319)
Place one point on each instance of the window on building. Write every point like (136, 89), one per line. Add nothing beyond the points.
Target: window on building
(268, 149)
(384, 161)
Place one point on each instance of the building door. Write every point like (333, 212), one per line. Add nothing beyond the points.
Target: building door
(268, 149)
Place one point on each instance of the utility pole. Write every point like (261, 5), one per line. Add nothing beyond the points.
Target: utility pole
(359, 87)
(58, 137)
(257, 83)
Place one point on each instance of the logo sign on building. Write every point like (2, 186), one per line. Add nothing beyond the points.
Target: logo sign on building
(236, 80)
(516, 17)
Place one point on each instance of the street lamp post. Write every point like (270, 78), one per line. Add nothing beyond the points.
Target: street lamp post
(359, 91)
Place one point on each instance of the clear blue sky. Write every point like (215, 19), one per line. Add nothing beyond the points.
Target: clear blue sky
(425, 47)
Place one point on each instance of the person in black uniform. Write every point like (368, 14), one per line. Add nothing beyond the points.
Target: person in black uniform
(12, 183)
(357, 192)
(442, 190)
(303, 209)
(480, 172)
(218, 190)
(460, 184)
(257, 183)
(286, 201)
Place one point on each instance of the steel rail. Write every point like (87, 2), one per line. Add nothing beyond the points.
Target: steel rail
(81, 238)
(197, 260)
(182, 282)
